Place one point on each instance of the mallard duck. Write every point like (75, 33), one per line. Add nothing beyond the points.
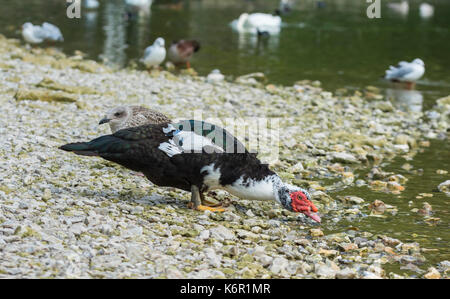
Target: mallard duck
(257, 22)
(155, 54)
(180, 52)
(35, 34)
(408, 72)
(175, 155)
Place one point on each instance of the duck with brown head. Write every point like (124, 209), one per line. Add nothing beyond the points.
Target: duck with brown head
(181, 52)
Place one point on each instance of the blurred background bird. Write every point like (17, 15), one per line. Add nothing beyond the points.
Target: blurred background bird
(181, 51)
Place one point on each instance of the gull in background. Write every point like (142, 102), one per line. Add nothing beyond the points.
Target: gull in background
(400, 7)
(155, 54)
(35, 34)
(426, 10)
(408, 72)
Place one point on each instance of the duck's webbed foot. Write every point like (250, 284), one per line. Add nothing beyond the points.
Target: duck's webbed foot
(210, 202)
(196, 201)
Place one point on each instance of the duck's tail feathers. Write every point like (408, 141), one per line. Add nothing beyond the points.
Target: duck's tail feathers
(79, 148)
(95, 147)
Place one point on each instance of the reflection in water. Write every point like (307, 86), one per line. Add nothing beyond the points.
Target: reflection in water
(90, 22)
(405, 100)
(139, 7)
(254, 44)
(114, 28)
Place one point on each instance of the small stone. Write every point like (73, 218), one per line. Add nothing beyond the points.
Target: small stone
(324, 271)
(265, 260)
(249, 213)
(346, 273)
(432, 274)
(344, 158)
(348, 246)
(445, 187)
(204, 235)
(222, 233)
(316, 232)
(279, 264)
(353, 199)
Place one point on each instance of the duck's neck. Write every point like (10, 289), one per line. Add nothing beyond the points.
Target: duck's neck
(257, 189)
(241, 21)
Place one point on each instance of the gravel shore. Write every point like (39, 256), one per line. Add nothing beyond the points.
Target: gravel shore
(66, 216)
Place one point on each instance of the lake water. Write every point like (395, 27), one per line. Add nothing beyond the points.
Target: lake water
(336, 44)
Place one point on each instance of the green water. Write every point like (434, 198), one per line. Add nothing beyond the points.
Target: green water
(406, 225)
(337, 45)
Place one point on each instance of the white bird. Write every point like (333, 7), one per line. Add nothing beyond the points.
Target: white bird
(257, 22)
(285, 6)
(215, 76)
(91, 4)
(140, 3)
(35, 34)
(406, 71)
(401, 8)
(155, 54)
(426, 10)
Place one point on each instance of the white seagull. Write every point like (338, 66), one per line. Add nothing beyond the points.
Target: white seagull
(408, 72)
(155, 54)
(426, 10)
(35, 34)
(400, 7)
(91, 4)
(139, 3)
(257, 22)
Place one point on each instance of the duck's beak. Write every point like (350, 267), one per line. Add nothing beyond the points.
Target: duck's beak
(313, 216)
(104, 121)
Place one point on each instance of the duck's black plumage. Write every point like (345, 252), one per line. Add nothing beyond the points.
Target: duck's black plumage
(156, 151)
(138, 149)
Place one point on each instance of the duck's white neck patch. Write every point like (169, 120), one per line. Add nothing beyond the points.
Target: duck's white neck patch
(265, 189)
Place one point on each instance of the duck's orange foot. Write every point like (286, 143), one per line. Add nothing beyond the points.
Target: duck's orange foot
(205, 208)
(212, 209)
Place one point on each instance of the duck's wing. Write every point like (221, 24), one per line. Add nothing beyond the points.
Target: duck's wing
(144, 115)
(148, 51)
(199, 136)
(134, 148)
(399, 72)
(187, 47)
(39, 33)
(52, 32)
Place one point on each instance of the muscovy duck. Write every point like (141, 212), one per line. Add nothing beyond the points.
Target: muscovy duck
(175, 155)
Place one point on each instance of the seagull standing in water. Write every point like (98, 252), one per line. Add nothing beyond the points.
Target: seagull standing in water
(408, 72)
